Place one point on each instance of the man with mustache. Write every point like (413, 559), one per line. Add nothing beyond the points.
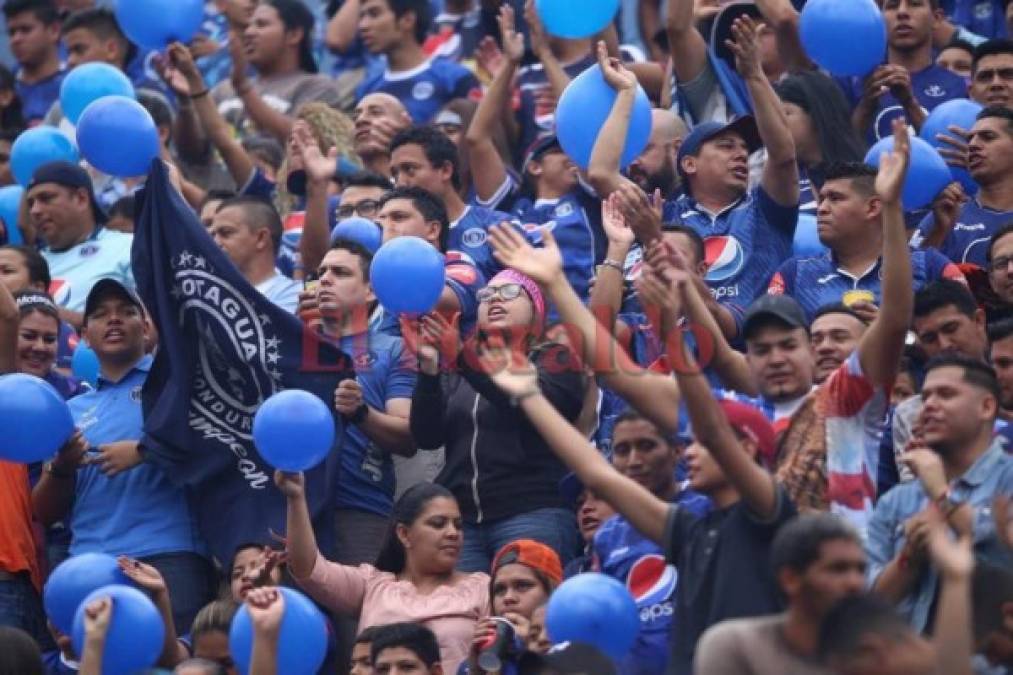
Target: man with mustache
(992, 73)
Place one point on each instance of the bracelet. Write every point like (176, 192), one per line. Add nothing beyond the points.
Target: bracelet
(614, 264)
(515, 401)
(200, 94)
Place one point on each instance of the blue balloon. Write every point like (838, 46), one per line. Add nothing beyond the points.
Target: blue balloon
(36, 147)
(72, 581)
(407, 275)
(360, 230)
(84, 364)
(847, 37)
(807, 242)
(563, 19)
(35, 419)
(10, 205)
(88, 83)
(959, 112)
(293, 430)
(154, 24)
(302, 640)
(583, 109)
(927, 173)
(136, 630)
(118, 137)
(594, 609)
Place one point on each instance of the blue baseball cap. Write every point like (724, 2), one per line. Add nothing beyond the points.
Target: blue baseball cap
(539, 147)
(744, 126)
(71, 176)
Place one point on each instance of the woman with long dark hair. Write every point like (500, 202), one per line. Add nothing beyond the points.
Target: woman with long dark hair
(414, 578)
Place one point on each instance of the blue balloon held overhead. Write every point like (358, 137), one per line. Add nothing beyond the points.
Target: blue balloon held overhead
(582, 111)
(807, 242)
(10, 206)
(302, 640)
(72, 581)
(36, 147)
(293, 430)
(88, 83)
(35, 419)
(567, 19)
(84, 364)
(594, 609)
(154, 24)
(136, 631)
(118, 136)
(847, 37)
(407, 275)
(359, 230)
(927, 173)
(959, 112)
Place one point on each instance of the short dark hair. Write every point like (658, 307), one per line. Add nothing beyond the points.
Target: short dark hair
(999, 234)
(633, 415)
(356, 249)
(429, 205)
(158, 107)
(259, 213)
(19, 653)
(991, 588)
(798, 544)
(367, 179)
(851, 618)
(217, 195)
(990, 48)
(999, 111)
(98, 20)
(835, 308)
(422, 15)
(976, 372)
(367, 635)
(38, 268)
(44, 10)
(699, 248)
(412, 636)
(861, 175)
(265, 148)
(296, 16)
(124, 207)
(1000, 330)
(438, 148)
(942, 293)
(963, 45)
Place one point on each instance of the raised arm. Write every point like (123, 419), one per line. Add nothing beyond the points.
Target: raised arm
(607, 294)
(316, 233)
(603, 171)
(540, 45)
(954, 560)
(343, 27)
(688, 47)
(783, 18)
(267, 119)
(780, 174)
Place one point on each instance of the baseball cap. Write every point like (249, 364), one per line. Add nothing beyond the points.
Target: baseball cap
(539, 147)
(784, 308)
(721, 29)
(104, 287)
(570, 488)
(749, 421)
(574, 658)
(530, 553)
(744, 125)
(68, 175)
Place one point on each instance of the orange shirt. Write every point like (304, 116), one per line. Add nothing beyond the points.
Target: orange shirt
(17, 545)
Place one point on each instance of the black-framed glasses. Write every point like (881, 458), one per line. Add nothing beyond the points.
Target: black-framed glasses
(1000, 264)
(367, 208)
(505, 292)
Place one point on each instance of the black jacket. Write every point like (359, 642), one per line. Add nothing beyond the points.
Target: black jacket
(497, 464)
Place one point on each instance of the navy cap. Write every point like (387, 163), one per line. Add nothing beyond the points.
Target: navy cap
(68, 175)
(570, 488)
(568, 657)
(744, 126)
(539, 147)
(104, 287)
(783, 308)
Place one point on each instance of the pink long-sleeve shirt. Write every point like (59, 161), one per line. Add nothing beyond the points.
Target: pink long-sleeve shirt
(451, 611)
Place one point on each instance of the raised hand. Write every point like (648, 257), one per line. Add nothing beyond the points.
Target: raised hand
(641, 213)
(893, 164)
(928, 467)
(489, 57)
(536, 32)
(745, 47)
(510, 371)
(614, 222)
(544, 264)
(513, 40)
(142, 574)
(292, 485)
(97, 616)
(952, 558)
(267, 608)
(956, 153)
(616, 75)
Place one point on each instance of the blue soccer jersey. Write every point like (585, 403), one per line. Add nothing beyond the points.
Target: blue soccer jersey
(968, 240)
(37, 98)
(423, 90)
(469, 236)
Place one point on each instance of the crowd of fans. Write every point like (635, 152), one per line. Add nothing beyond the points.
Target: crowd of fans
(795, 461)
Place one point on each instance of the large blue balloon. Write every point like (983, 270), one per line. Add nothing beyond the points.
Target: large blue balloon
(136, 630)
(960, 112)
(564, 19)
(407, 275)
(156, 23)
(88, 83)
(807, 242)
(118, 136)
(84, 364)
(10, 205)
(583, 109)
(72, 581)
(927, 173)
(847, 37)
(302, 640)
(360, 230)
(595, 609)
(293, 430)
(36, 147)
(35, 419)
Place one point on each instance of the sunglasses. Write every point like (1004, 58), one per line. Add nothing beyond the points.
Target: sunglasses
(505, 292)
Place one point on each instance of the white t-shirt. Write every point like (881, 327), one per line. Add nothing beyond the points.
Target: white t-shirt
(282, 291)
(76, 270)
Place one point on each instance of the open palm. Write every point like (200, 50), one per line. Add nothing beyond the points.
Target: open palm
(544, 264)
(893, 164)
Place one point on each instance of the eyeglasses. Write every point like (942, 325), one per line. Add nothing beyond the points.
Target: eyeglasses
(366, 208)
(1000, 264)
(505, 292)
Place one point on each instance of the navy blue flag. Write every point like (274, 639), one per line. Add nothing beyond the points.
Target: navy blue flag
(223, 350)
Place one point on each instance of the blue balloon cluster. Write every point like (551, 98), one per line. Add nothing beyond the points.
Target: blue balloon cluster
(927, 173)
(72, 581)
(118, 136)
(36, 147)
(154, 24)
(407, 275)
(594, 609)
(293, 430)
(563, 19)
(359, 230)
(35, 419)
(847, 37)
(959, 112)
(302, 640)
(10, 206)
(582, 111)
(136, 631)
(89, 82)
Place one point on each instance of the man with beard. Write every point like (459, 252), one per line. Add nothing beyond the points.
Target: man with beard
(654, 168)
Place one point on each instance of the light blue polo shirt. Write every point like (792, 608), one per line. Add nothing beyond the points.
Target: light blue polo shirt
(138, 512)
